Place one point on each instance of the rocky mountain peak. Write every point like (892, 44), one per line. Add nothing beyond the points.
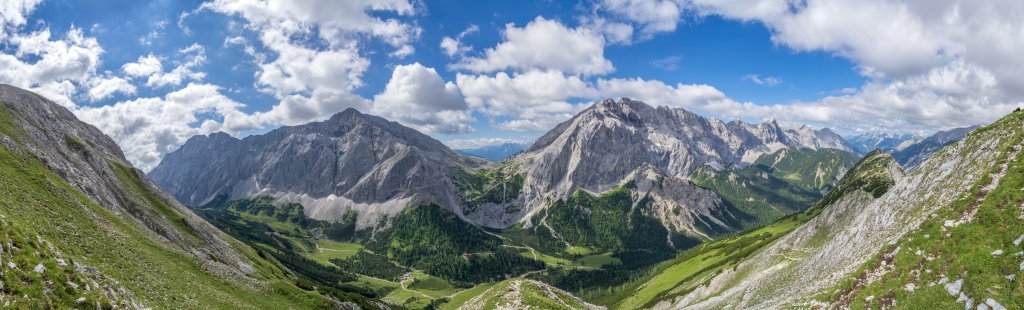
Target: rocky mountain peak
(350, 162)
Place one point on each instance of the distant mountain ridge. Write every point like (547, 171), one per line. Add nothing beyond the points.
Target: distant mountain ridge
(915, 154)
(887, 142)
(497, 152)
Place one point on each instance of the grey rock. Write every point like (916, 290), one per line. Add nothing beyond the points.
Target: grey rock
(350, 162)
(600, 147)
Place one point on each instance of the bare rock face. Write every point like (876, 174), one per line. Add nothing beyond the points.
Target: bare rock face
(351, 162)
(601, 146)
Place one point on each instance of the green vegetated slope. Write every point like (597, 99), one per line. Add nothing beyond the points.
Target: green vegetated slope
(520, 294)
(905, 244)
(591, 242)
(587, 244)
(969, 254)
(695, 266)
(426, 256)
(497, 185)
(777, 184)
(61, 249)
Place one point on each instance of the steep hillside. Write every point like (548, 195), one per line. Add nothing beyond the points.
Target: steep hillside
(81, 228)
(350, 163)
(693, 268)
(777, 184)
(836, 248)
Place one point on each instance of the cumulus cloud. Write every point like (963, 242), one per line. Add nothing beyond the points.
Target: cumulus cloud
(53, 68)
(543, 44)
(143, 67)
(931, 64)
(453, 46)
(148, 128)
(417, 96)
(151, 68)
(13, 14)
(336, 22)
(618, 18)
(313, 62)
(536, 100)
(194, 56)
(103, 88)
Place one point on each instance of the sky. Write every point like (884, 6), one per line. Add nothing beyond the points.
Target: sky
(151, 74)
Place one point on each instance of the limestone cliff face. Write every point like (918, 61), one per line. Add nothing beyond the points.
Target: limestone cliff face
(603, 145)
(352, 161)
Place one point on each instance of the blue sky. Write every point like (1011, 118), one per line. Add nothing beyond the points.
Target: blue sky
(153, 73)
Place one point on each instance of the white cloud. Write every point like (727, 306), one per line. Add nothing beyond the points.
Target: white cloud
(313, 63)
(195, 56)
(298, 69)
(54, 68)
(151, 68)
(148, 128)
(103, 88)
(335, 21)
(153, 34)
(896, 40)
(543, 44)
(535, 100)
(417, 97)
(649, 16)
(766, 80)
(14, 14)
(454, 47)
(143, 67)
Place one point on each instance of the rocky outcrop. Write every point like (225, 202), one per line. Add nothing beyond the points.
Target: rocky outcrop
(855, 225)
(350, 162)
(598, 148)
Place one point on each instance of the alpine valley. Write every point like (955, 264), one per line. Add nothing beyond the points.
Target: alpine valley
(623, 206)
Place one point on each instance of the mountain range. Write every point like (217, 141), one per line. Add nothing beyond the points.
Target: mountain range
(495, 152)
(81, 228)
(623, 206)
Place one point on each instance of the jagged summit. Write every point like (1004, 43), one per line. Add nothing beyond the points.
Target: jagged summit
(350, 162)
(601, 146)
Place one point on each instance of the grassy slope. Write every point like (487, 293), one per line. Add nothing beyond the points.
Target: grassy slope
(935, 251)
(37, 202)
(777, 184)
(529, 295)
(278, 229)
(693, 267)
